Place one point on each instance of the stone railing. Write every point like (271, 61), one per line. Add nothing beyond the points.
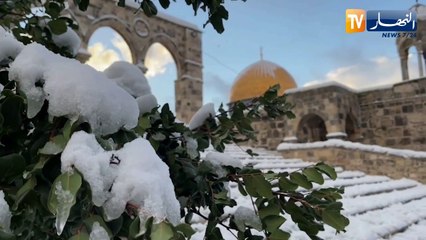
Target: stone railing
(371, 159)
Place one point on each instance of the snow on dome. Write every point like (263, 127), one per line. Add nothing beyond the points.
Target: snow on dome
(5, 215)
(69, 40)
(257, 78)
(9, 47)
(201, 116)
(135, 172)
(129, 77)
(73, 90)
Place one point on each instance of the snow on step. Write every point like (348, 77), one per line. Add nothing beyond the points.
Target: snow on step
(283, 164)
(362, 204)
(277, 160)
(352, 181)
(350, 174)
(365, 189)
(414, 232)
(381, 223)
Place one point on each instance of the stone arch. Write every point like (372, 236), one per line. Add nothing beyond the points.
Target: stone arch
(182, 39)
(351, 128)
(169, 45)
(311, 128)
(115, 25)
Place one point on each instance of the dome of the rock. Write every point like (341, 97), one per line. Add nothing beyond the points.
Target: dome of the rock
(257, 78)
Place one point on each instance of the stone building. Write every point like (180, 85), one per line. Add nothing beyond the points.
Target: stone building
(392, 116)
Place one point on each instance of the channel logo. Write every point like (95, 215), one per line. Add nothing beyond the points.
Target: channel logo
(355, 20)
(358, 20)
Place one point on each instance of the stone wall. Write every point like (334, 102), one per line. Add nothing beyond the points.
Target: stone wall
(269, 133)
(369, 162)
(396, 116)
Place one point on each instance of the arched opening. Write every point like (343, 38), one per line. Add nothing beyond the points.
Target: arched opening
(161, 74)
(311, 129)
(350, 128)
(413, 63)
(107, 46)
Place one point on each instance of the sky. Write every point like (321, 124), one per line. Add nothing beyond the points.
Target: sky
(306, 37)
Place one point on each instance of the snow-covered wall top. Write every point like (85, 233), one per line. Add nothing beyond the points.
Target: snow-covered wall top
(353, 146)
(136, 5)
(337, 84)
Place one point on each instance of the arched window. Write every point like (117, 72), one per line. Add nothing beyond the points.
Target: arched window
(107, 46)
(161, 74)
(311, 129)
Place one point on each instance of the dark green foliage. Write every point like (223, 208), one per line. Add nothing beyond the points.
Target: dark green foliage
(30, 171)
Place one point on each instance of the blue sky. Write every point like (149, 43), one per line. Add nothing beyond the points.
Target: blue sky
(306, 37)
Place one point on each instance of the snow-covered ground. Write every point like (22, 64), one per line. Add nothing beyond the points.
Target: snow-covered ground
(377, 206)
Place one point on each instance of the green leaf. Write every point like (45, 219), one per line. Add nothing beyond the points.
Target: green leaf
(134, 228)
(287, 185)
(96, 218)
(186, 229)
(12, 109)
(329, 171)
(300, 179)
(83, 5)
(80, 236)
(149, 8)
(271, 209)
(335, 219)
(23, 191)
(6, 236)
(121, 3)
(54, 146)
(257, 186)
(241, 189)
(11, 166)
(279, 235)
(313, 175)
(162, 231)
(58, 26)
(273, 222)
(70, 182)
(165, 3)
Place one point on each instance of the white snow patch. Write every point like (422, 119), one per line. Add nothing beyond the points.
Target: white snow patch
(245, 216)
(98, 232)
(146, 103)
(5, 215)
(354, 146)
(129, 77)
(336, 134)
(69, 40)
(135, 172)
(9, 46)
(73, 90)
(201, 116)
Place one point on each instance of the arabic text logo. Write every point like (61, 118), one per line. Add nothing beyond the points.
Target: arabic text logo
(355, 20)
(391, 21)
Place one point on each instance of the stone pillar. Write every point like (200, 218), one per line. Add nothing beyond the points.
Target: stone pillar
(420, 59)
(189, 86)
(404, 67)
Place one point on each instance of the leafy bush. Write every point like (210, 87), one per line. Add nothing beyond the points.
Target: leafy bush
(47, 202)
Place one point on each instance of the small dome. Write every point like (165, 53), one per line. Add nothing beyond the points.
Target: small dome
(259, 77)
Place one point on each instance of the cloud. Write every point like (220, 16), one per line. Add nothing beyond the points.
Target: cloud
(122, 46)
(370, 73)
(102, 56)
(216, 89)
(157, 60)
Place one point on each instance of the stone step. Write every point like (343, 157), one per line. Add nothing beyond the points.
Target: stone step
(359, 205)
(377, 188)
(412, 232)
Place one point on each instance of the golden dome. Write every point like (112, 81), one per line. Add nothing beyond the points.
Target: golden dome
(259, 77)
